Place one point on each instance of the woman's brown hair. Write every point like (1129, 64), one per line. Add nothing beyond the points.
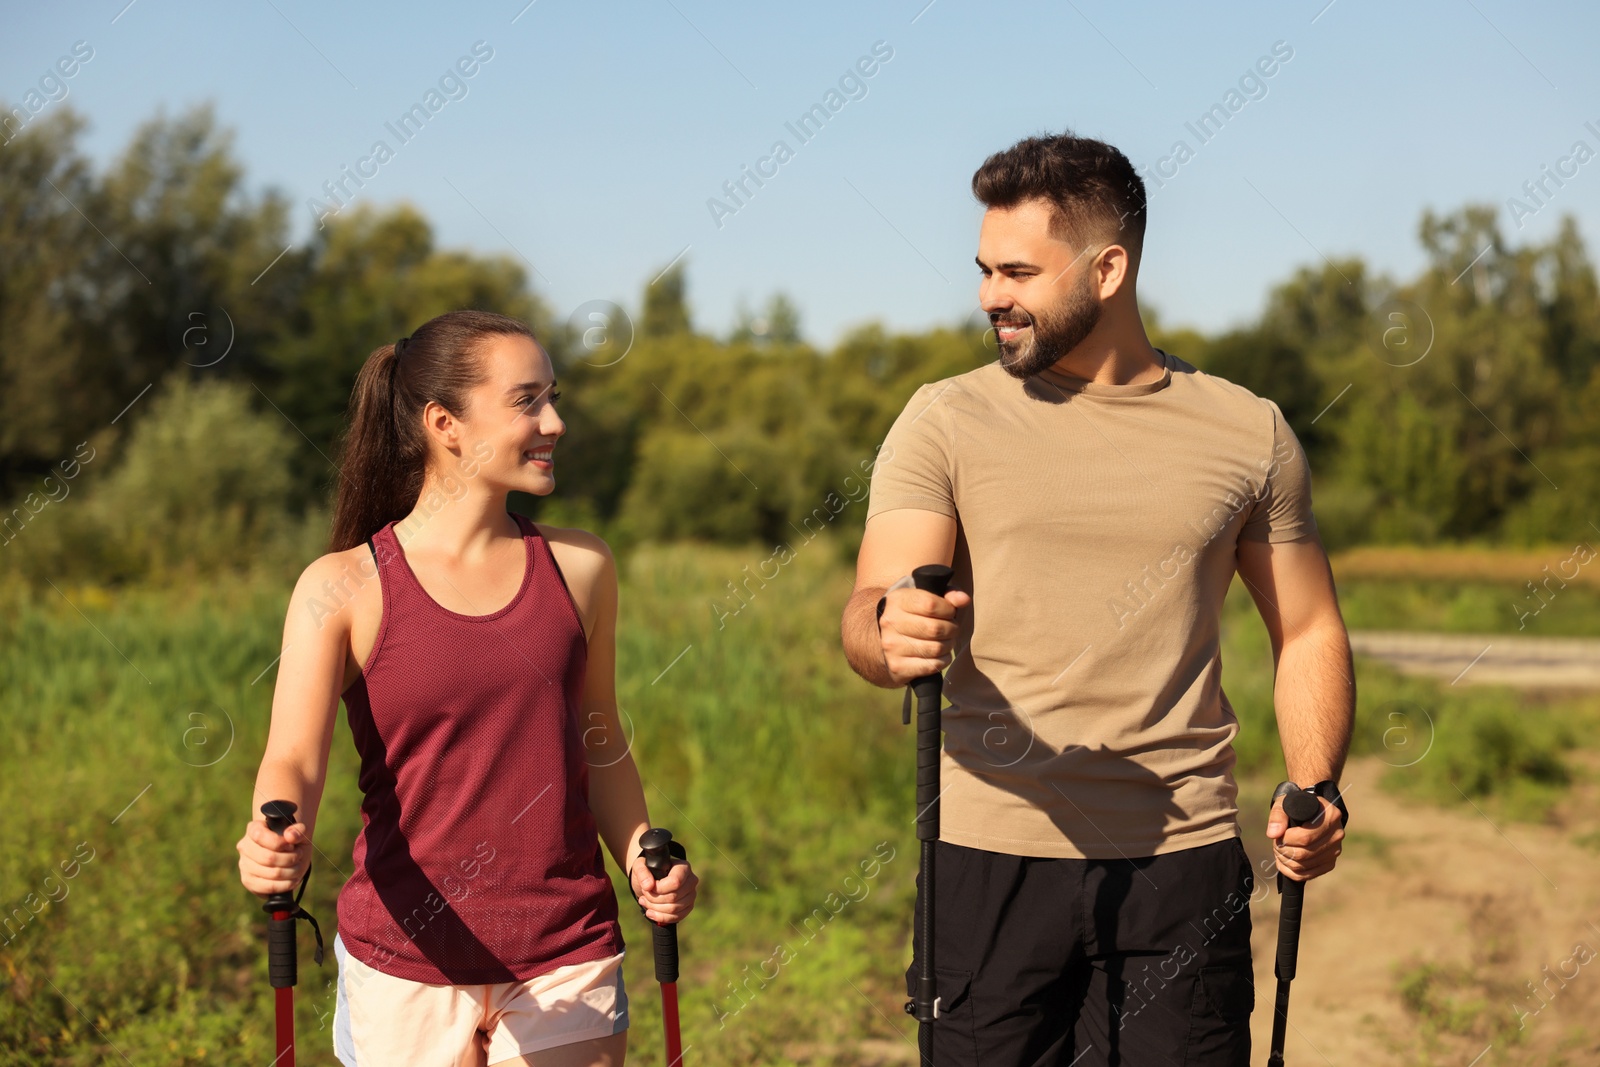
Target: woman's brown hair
(385, 449)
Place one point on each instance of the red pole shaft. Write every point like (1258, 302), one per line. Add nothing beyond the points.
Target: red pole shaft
(669, 1015)
(285, 1017)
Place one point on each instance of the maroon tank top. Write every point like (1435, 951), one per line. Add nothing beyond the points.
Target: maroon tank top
(478, 859)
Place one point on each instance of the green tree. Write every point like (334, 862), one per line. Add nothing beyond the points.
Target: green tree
(1489, 431)
(1439, 441)
(777, 324)
(199, 484)
(666, 307)
(52, 382)
(1322, 311)
(1572, 312)
(104, 280)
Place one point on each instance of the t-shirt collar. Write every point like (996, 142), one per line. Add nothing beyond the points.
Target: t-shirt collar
(1073, 384)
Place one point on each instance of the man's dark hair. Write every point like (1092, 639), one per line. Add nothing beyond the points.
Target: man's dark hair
(1097, 195)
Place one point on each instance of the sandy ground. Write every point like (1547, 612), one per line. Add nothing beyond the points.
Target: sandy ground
(1507, 916)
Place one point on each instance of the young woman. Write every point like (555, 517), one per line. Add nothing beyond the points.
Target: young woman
(475, 654)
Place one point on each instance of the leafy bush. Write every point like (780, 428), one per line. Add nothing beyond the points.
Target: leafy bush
(1484, 746)
(203, 483)
(686, 486)
(1565, 508)
(198, 485)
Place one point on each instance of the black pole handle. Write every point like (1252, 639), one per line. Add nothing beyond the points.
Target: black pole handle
(282, 966)
(280, 814)
(929, 689)
(659, 851)
(933, 578)
(1300, 806)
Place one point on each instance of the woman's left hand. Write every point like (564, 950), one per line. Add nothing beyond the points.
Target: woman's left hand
(669, 899)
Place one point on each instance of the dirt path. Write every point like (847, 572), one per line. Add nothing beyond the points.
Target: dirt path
(1454, 914)
(1500, 659)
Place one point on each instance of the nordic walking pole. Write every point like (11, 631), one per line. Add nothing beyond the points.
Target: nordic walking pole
(929, 691)
(659, 851)
(1300, 806)
(282, 966)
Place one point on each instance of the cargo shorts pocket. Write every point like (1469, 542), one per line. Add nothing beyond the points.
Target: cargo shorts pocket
(1219, 1027)
(955, 1039)
(1227, 992)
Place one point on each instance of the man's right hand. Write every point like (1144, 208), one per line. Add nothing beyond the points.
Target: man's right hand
(918, 632)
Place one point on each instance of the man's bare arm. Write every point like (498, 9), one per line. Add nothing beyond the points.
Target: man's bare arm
(1314, 690)
(917, 626)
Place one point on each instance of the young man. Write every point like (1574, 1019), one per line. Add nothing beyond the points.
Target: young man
(1095, 496)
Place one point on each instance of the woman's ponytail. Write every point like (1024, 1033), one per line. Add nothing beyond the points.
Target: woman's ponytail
(385, 449)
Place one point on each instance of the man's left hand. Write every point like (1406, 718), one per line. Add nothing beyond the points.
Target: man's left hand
(1309, 850)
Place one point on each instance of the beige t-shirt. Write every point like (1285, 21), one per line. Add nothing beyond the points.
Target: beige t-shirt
(1097, 529)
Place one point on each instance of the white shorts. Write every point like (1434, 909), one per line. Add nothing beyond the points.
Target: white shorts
(380, 1020)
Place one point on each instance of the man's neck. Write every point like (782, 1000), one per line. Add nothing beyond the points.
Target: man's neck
(1113, 363)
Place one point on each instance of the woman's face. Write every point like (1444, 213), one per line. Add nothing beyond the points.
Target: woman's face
(511, 426)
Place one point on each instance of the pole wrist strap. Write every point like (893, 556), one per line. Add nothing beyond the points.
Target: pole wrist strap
(1328, 790)
(302, 913)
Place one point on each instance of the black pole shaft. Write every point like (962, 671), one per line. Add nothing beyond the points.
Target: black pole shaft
(1299, 807)
(1288, 920)
(929, 691)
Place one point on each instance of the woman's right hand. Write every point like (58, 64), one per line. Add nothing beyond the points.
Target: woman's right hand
(271, 862)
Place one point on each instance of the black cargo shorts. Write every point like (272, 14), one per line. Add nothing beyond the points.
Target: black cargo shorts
(1142, 961)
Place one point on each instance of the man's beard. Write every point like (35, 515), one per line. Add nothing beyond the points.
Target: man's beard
(1054, 333)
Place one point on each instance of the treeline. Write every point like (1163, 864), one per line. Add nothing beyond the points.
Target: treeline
(165, 343)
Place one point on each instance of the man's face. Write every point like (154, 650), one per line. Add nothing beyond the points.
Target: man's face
(1041, 295)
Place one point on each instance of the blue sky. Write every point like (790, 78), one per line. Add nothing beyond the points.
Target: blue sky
(593, 139)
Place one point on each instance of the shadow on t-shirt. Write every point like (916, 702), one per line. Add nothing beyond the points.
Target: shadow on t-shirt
(1014, 758)
(1114, 939)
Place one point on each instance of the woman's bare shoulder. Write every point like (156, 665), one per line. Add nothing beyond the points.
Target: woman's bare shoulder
(585, 559)
(330, 586)
(588, 550)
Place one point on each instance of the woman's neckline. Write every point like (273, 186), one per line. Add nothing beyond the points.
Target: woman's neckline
(528, 532)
